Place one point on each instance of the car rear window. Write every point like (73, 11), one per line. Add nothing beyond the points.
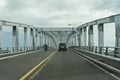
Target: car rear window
(62, 44)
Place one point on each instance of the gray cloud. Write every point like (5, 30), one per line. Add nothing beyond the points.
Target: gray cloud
(111, 5)
(57, 12)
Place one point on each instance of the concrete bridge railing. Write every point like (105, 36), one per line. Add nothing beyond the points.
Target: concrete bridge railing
(38, 36)
(111, 51)
(17, 49)
(82, 31)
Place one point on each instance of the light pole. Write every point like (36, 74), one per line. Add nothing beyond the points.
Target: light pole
(74, 32)
(72, 25)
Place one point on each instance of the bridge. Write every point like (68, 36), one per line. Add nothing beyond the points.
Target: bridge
(82, 60)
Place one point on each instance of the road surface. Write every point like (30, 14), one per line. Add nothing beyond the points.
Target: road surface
(71, 66)
(63, 66)
(15, 67)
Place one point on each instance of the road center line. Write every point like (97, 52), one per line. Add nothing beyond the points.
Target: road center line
(38, 65)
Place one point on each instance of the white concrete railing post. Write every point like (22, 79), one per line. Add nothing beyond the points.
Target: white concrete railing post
(36, 37)
(80, 38)
(15, 38)
(117, 30)
(75, 39)
(100, 35)
(42, 39)
(45, 38)
(48, 41)
(39, 39)
(32, 38)
(90, 36)
(84, 36)
(25, 38)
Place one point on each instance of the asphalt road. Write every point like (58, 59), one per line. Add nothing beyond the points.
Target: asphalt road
(70, 66)
(15, 67)
(63, 66)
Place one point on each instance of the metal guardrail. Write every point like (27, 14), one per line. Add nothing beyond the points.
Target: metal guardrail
(114, 51)
(17, 49)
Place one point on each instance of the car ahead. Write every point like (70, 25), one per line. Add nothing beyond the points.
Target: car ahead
(62, 47)
(45, 47)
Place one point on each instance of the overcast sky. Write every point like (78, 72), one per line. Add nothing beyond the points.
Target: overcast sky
(49, 13)
(57, 12)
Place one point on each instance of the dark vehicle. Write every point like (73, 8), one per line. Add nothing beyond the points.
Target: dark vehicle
(45, 47)
(62, 47)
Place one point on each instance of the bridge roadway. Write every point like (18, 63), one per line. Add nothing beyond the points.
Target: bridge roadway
(63, 66)
(71, 66)
(15, 67)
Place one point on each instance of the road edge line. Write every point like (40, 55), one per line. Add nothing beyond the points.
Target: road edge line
(20, 54)
(87, 59)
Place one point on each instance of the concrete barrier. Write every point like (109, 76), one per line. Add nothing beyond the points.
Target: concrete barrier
(106, 66)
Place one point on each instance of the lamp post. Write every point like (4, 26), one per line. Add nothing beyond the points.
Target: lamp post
(74, 32)
(72, 25)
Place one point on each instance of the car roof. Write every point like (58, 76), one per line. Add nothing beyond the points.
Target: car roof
(62, 44)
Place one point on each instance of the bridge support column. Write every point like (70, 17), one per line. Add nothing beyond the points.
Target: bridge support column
(15, 38)
(80, 37)
(36, 37)
(117, 33)
(90, 36)
(84, 36)
(42, 35)
(0, 36)
(101, 35)
(45, 38)
(48, 41)
(39, 40)
(32, 38)
(75, 39)
(72, 41)
(25, 38)
(52, 44)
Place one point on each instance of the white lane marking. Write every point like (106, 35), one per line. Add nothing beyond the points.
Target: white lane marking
(17, 55)
(110, 67)
(99, 66)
